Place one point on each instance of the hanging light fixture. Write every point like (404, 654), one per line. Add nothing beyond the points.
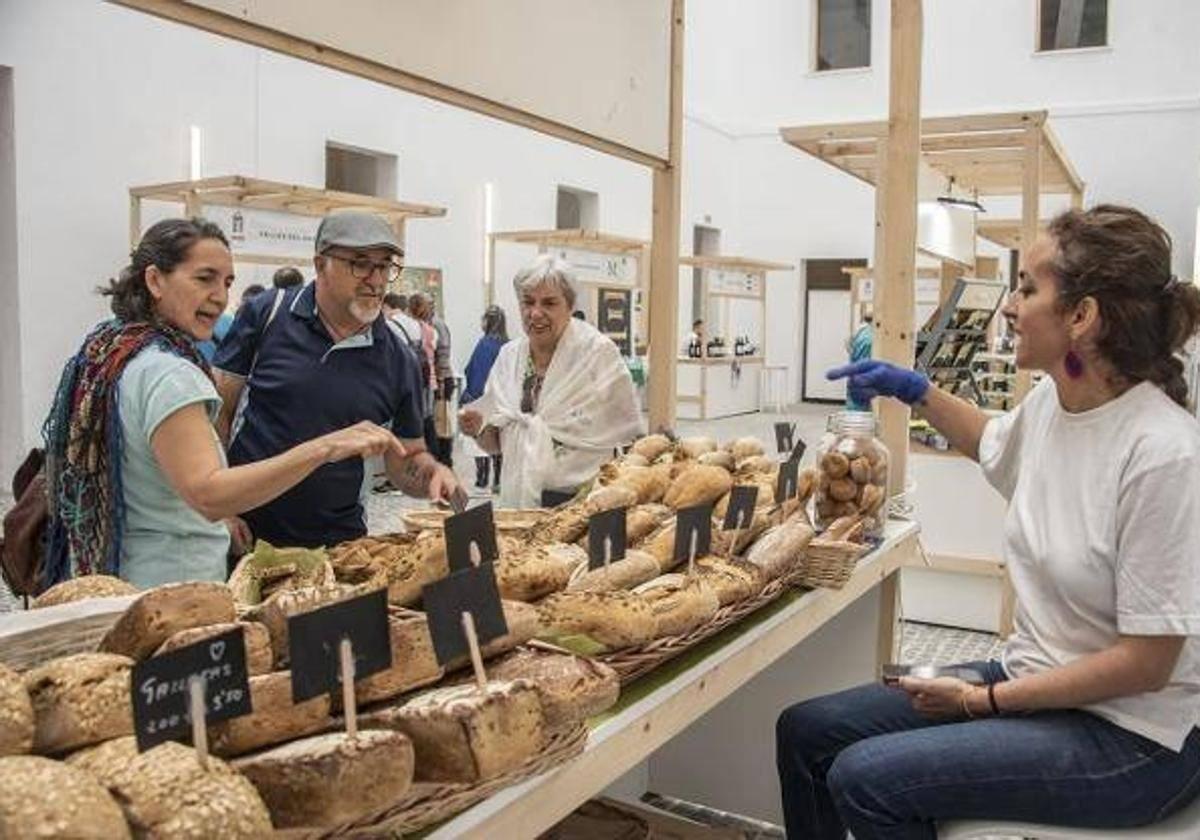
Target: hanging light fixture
(958, 201)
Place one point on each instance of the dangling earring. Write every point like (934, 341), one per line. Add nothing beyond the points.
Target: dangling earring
(1073, 362)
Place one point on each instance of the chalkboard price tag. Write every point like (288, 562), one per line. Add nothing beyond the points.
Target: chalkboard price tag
(788, 481)
(606, 526)
(160, 688)
(314, 637)
(688, 522)
(798, 451)
(785, 433)
(471, 591)
(740, 513)
(477, 527)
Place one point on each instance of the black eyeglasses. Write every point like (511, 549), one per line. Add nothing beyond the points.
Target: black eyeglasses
(362, 268)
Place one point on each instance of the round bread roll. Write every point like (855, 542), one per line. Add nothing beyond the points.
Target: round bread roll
(80, 700)
(614, 619)
(651, 446)
(166, 793)
(694, 447)
(721, 459)
(81, 588)
(44, 798)
(330, 780)
(16, 714)
(745, 447)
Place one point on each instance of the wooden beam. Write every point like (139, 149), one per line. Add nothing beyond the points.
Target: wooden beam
(896, 203)
(963, 124)
(950, 273)
(1030, 196)
(664, 254)
(1050, 140)
(135, 221)
(279, 42)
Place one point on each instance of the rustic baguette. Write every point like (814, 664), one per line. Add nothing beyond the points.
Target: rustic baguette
(614, 619)
(636, 567)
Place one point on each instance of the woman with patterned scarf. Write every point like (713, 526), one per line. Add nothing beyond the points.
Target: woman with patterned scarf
(137, 480)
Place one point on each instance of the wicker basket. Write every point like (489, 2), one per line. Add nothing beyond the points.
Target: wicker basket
(426, 804)
(829, 563)
(31, 637)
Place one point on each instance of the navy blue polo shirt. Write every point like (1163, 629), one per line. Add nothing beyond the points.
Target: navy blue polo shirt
(300, 384)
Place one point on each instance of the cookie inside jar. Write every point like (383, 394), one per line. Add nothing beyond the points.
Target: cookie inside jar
(852, 468)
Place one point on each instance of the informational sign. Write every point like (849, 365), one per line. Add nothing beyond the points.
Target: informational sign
(601, 266)
(734, 282)
(607, 537)
(740, 513)
(160, 687)
(314, 637)
(798, 450)
(613, 316)
(693, 533)
(474, 527)
(784, 436)
(267, 232)
(471, 591)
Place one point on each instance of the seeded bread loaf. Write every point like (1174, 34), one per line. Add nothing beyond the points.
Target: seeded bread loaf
(614, 619)
(275, 718)
(651, 446)
(82, 588)
(16, 714)
(702, 484)
(781, 547)
(259, 658)
(413, 662)
(678, 603)
(165, 793)
(537, 571)
(274, 612)
(635, 568)
(571, 688)
(730, 580)
(43, 798)
(163, 611)
(644, 520)
(329, 780)
(462, 734)
(80, 700)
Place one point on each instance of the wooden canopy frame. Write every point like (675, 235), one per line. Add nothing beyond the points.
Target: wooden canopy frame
(259, 194)
(666, 171)
(580, 238)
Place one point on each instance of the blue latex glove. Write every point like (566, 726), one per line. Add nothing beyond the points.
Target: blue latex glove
(870, 378)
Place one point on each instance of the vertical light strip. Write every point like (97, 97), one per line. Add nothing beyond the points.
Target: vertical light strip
(488, 191)
(194, 152)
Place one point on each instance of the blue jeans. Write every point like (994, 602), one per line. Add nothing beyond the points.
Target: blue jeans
(863, 760)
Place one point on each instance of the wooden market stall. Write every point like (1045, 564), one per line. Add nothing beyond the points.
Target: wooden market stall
(246, 193)
(727, 379)
(612, 269)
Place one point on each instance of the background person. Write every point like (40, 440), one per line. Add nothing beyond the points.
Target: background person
(287, 277)
(483, 357)
(1090, 718)
(136, 477)
(558, 401)
(318, 357)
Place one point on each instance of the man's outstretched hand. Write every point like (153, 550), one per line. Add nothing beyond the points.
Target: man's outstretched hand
(871, 378)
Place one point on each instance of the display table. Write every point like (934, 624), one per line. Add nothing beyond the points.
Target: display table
(662, 704)
(718, 386)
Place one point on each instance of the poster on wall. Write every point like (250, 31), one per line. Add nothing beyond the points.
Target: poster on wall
(613, 316)
(420, 279)
(735, 283)
(600, 267)
(264, 232)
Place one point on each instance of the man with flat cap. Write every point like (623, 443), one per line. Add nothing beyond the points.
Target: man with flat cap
(307, 360)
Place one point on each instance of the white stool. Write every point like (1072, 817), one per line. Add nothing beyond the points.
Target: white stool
(773, 387)
(1182, 825)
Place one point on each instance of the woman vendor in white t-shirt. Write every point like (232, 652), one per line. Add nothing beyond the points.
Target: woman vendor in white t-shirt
(1090, 719)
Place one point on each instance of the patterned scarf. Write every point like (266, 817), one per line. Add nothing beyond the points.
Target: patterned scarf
(84, 446)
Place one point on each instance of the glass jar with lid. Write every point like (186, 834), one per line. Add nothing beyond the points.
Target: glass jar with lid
(852, 466)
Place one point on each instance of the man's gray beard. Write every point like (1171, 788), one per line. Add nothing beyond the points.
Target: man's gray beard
(363, 313)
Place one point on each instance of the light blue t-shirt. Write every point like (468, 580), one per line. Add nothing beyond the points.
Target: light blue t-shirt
(165, 539)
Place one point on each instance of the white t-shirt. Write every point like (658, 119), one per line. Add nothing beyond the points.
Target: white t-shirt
(1102, 537)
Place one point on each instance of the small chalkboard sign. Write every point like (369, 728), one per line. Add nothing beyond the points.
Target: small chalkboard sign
(693, 521)
(798, 451)
(740, 513)
(785, 433)
(160, 688)
(477, 527)
(606, 526)
(554, 498)
(314, 637)
(471, 591)
(788, 481)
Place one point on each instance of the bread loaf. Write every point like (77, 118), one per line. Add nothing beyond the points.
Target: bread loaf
(612, 497)
(651, 446)
(744, 447)
(678, 603)
(536, 571)
(721, 539)
(720, 459)
(80, 700)
(636, 567)
(275, 717)
(274, 612)
(644, 520)
(698, 486)
(16, 714)
(755, 464)
(649, 483)
(44, 798)
(730, 580)
(413, 662)
(613, 619)
(406, 572)
(259, 658)
(571, 688)
(462, 734)
(329, 780)
(781, 547)
(694, 447)
(164, 791)
(661, 546)
(81, 588)
(162, 612)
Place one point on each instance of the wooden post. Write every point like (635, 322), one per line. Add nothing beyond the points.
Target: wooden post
(896, 225)
(192, 206)
(889, 634)
(664, 249)
(1031, 188)
(135, 221)
(950, 275)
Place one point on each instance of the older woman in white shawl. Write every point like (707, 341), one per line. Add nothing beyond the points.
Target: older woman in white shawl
(559, 401)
